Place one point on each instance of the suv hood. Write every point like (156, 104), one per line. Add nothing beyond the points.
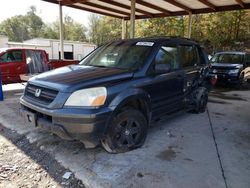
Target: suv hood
(71, 78)
(226, 66)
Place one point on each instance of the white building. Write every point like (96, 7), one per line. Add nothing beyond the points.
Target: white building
(3, 41)
(72, 49)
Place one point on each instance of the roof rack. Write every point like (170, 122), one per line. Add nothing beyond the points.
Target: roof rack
(165, 36)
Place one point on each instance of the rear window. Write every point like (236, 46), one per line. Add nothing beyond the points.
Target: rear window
(11, 56)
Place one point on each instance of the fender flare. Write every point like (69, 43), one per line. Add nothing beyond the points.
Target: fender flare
(120, 100)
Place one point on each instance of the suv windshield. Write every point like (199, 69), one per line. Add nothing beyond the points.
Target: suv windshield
(228, 58)
(122, 55)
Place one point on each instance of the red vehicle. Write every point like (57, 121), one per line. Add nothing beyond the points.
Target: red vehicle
(18, 61)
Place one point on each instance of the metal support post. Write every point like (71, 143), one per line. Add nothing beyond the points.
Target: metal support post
(61, 30)
(189, 25)
(132, 19)
(123, 29)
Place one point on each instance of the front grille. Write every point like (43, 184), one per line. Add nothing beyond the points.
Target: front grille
(46, 96)
(222, 71)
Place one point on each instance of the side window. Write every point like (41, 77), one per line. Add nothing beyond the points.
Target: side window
(167, 55)
(248, 58)
(203, 56)
(189, 56)
(12, 56)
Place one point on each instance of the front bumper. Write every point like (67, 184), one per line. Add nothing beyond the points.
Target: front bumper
(86, 125)
(226, 78)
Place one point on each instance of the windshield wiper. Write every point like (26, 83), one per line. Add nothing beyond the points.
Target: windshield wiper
(101, 66)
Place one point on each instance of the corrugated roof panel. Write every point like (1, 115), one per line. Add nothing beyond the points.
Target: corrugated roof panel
(98, 9)
(109, 5)
(165, 5)
(223, 2)
(192, 4)
(155, 8)
(152, 11)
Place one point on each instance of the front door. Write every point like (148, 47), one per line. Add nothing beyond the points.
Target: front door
(166, 89)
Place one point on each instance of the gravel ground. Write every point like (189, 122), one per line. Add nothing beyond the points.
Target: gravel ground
(24, 165)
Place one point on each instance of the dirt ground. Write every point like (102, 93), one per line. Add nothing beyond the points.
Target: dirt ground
(38, 169)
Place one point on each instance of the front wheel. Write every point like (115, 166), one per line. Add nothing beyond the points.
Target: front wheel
(127, 132)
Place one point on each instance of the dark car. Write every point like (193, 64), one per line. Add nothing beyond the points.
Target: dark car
(231, 67)
(115, 92)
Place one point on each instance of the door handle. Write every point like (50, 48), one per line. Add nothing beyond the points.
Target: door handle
(189, 84)
(179, 75)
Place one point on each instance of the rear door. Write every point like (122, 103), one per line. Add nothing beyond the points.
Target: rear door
(190, 62)
(12, 64)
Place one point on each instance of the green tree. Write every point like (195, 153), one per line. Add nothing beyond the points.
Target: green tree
(20, 28)
(103, 29)
(94, 28)
(167, 26)
(34, 23)
(72, 30)
(15, 28)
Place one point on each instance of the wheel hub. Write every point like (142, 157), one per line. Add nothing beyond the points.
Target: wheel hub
(127, 132)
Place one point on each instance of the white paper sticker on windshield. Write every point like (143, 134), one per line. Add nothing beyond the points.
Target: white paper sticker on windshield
(144, 43)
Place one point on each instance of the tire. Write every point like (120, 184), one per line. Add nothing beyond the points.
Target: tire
(128, 131)
(200, 100)
(242, 82)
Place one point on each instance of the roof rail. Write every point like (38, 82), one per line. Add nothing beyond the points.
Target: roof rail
(166, 36)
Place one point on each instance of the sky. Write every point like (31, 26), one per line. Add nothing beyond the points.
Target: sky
(49, 12)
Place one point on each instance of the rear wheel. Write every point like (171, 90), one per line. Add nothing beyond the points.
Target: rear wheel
(127, 132)
(200, 100)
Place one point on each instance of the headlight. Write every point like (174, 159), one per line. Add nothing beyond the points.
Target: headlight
(234, 71)
(87, 97)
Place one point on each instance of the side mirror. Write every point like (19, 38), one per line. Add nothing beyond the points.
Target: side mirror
(162, 68)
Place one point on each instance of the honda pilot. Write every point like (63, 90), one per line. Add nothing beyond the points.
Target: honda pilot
(117, 91)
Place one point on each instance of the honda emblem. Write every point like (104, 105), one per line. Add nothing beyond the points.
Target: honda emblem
(38, 92)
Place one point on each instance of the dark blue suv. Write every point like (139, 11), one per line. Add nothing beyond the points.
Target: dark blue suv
(231, 67)
(116, 91)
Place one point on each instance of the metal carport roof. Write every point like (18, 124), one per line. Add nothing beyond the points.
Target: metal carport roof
(141, 9)
(153, 8)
